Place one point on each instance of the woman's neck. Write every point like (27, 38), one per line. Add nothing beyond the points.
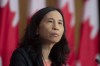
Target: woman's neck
(46, 48)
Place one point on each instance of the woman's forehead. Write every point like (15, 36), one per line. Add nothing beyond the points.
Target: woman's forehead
(53, 14)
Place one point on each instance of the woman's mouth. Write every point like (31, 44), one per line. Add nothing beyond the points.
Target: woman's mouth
(55, 34)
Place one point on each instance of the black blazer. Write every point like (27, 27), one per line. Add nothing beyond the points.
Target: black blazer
(20, 58)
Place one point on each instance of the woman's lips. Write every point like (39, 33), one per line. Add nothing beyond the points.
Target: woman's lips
(55, 34)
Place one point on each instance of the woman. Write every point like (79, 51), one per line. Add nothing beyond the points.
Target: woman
(44, 42)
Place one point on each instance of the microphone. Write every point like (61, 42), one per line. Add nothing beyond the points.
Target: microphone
(98, 59)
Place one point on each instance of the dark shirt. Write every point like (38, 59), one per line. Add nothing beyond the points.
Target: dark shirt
(20, 58)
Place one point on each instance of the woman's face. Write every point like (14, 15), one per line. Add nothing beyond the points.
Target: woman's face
(51, 27)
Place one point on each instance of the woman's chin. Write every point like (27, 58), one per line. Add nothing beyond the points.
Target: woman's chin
(54, 41)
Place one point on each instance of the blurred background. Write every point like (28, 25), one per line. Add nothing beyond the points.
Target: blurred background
(82, 27)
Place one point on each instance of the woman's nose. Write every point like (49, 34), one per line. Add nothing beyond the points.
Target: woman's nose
(55, 27)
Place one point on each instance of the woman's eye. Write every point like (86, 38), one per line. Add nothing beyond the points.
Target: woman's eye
(50, 21)
(60, 23)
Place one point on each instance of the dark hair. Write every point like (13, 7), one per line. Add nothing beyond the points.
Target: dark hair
(59, 51)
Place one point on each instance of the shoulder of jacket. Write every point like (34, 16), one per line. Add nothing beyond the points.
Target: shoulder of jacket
(24, 54)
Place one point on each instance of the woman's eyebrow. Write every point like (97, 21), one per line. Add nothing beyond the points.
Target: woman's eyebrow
(53, 19)
(60, 20)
